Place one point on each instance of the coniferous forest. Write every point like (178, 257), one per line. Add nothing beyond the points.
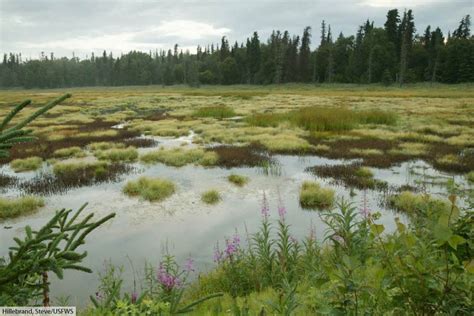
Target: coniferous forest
(396, 52)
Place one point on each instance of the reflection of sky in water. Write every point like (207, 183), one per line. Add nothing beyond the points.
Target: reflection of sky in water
(183, 223)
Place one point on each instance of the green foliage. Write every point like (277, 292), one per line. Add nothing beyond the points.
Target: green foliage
(10, 208)
(26, 164)
(238, 180)
(162, 293)
(150, 189)
(211, 197)
(218, 112)
(23, 276)
(470, 177)
(313, 196)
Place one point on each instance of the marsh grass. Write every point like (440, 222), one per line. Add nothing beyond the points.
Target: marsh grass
(150, 189)
(237, 156)
(238, 180)
(218, 112)
(26, 164)
(211, 197)
(178, 157)
(10, 208)
(351, 175)
(313, 196)
(416, 204)
(69, 152)
(129, 154)
(319, 119)
(66, 176)
(104, 146)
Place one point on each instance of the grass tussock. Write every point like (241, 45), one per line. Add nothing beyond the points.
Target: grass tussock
(238, 180)
(178, 157)
(414, 204)
(10, 208)
(211, 197)
(69, 152)
(129, 154)
(313, 196)
(150, 189)
(352, 175)
(26, 164)
(104, 146)
(320, 119)
(218, 112)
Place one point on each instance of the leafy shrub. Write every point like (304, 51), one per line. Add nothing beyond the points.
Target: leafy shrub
(10, 208)
(211, 197)
(27, 164)
(238, 180)
(313, 196)
(150, 189)
(218, 112)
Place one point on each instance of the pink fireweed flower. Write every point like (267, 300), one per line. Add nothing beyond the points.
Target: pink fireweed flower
(364, 211)
(232, 245)
(338, 238)
(189, 265)
(293, 239)
(281, 207)
(166, 279)
(217, 254)
(265, 207)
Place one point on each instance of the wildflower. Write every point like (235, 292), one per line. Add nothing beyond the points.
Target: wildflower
(281, 207)
(293, 239)
(265, 207)
(134, 297)
(166, 279)
(364, 210)
(189, 265)
(217, 254)
(232, 245)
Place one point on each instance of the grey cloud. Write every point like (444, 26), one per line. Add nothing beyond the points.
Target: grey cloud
(33, 26)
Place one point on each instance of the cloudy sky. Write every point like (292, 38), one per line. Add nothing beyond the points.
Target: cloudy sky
(84, 26)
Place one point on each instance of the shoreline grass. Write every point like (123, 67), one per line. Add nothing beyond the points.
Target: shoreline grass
(150, 189)
(27, 164)
(11, 208)
(211, 197)
(314, 196)
(238, 180)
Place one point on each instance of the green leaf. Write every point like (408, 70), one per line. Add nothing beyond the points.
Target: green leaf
(442, 232)
(456, 240)
(377, 229)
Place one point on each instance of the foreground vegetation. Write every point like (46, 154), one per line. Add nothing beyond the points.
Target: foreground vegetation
(353, 272)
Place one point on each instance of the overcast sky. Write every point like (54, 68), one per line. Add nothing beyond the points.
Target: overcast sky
(85, 26)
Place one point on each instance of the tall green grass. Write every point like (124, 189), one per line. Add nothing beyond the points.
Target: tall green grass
(319, 119)
(10, 208)
(27, 164)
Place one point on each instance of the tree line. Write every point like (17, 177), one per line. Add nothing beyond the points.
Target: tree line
(390, 54)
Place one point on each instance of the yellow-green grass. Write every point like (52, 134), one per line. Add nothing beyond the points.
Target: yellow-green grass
(218, 112)
(65, 169)
(364, 172)
(26, 164)
(69, 152)
(150, 189)
(414, 204)
(129, 154)
(104, 146)
(238, 180)
(314, 196)
(211, 197)
(10, 208)
(178, 157)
